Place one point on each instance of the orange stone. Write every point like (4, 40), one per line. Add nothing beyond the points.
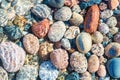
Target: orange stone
(113, 4)
(41, 28)
(71, 3)
(92, 19)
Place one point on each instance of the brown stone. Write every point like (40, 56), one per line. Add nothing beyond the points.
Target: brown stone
(113, 4)
(71, 3)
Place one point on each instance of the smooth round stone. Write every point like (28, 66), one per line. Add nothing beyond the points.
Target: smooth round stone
(111, 22)
(41, 10)
(78, 62)
(117, 37)
(76, 8)
(103, 28)
(12, 56)
(59, 58)
(70, 3)
(114, 30)
(3, 17)
(65, 43)
(72, 32)
(106, 14)
(86, 76)
(113, 67)
(93, 64)
(63, 14)
(101, 71)
(84, 42)
(113, 4)
(3, 74)
(72, 76)
(97, 49)
(112, 50)
(103, 6)
(4, 4)
(48, 71)
(31, 43)
(76, 19)
(97, 37)
(27, 72)
(56, 31)
(56, 3)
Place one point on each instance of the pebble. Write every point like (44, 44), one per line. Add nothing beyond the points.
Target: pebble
(66, 43)
(41, 28)
(45, 49)
(92, 19)
(112, 50)
(62, 75)
(93, 64)
(56, 31)
(86, 76)
(111, 22)
(103, 6)
(101, 71)
(106, 14)
(59, 58)
(4, 4)
(31, 43)
(63, 14)
(76, 8)
(12, 56)
(84, 42)
(114, 30)
(27, 72)
(11, 13)
(3, 74)
(102, 60)
(70, 3)
(113, 4)
(41, 10)
(78, 62)
(72, 32)
(72, 76)
(97, 49)
(97, 37)
(76, 19)
(117, 37)
(103, 28)
(113, 67)
(118, 20)
(48, 71)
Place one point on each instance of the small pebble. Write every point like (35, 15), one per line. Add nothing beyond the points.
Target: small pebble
(106, 14)
(101, 71)
(76, 8)
(56, 31)
(78, 62)
(72, 32)
(63, 14)
(3, 74)
(103, 28)
(113, 4)
(86, 76)
(111, 22)
(117, 37)
(70, 3)
(65, 43)
(31, 43)
(62, 75)
(59, 58)
(114, 30)
(102, 6)
(93, 64)
(72, 76)
(102, 60)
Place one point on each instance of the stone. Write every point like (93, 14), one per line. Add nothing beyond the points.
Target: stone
(31, 43)
(66, 43)
(114, 30)
(84, 42)
(72, 76)
(103, 28)
(63, 14)
(117, 37)
(111, 22)
(70, 3)
(101, 71)
(92, 19)
(3, 74)
(118, 20)
(56, 31)
(113, 4)
(86, 76)
(59, 58)
(78, 62)
(41, 28)
(76, 9)
(48, 71)
(106, 14)
(103, 6)
(93, 64)
(11, 13)
(12, 56)
(62, 75)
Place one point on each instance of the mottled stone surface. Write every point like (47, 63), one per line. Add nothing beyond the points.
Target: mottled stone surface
(3, 74)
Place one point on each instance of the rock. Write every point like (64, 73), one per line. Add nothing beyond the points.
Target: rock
(92, 19)
(112, 50)
(118, 20)
(102, 60)
(11, 13)
(70, 3)
(12, 56)
(76, 9)
(26, 71)
(76, 19)
(93, 63)
(103, 28)
(113, 67)
(97, 49)
(117, 37)
(103, 6)
(114, 30)
(48, 71)
(113, 4)
(72, 32)
(45, 49)
(41, 10)
(41, 28)
(111, 22)
(65, 43)
(86, 76)
(97, 37)
(72, 76)
(84, 42)
(59, 58)
(62, 75)
(106, 14)
(3, 74)
(56, 31)
(63, 14)
(101, 71)
(31, 43)
(78, 62)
